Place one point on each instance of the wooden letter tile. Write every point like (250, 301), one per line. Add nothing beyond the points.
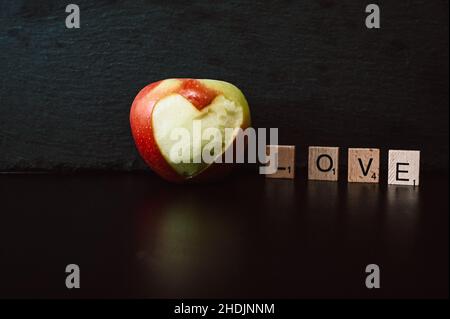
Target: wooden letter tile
(286, 161)
(403, 167)
(363, 165)
(323, 163)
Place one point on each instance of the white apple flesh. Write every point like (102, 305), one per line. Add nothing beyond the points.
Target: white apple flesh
(220, 114)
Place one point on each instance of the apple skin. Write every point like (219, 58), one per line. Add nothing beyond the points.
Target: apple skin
(199, 93)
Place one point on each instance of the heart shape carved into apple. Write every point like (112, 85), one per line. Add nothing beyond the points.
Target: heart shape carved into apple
(179, 118)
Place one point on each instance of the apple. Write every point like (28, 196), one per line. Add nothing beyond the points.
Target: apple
(166, 105)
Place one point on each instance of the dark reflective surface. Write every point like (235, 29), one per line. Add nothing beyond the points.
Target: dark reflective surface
(134, 235)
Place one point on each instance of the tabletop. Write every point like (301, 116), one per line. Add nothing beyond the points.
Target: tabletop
(135, 236)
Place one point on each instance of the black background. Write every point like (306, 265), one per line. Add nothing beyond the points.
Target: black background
(310, 68)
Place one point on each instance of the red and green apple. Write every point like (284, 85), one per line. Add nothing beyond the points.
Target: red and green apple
(163, 106)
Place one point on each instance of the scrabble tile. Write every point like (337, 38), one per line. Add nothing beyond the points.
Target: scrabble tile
(403, 168)
(286, 161)
(323, 163)
(363, 165)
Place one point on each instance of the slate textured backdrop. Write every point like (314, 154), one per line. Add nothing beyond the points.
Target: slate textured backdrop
(310, 68)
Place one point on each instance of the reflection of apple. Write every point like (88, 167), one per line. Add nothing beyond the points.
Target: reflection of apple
(176, 103)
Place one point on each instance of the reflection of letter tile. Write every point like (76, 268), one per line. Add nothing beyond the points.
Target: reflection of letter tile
(403, 167)
(323, 163)
(363, 165)
(286, 161)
